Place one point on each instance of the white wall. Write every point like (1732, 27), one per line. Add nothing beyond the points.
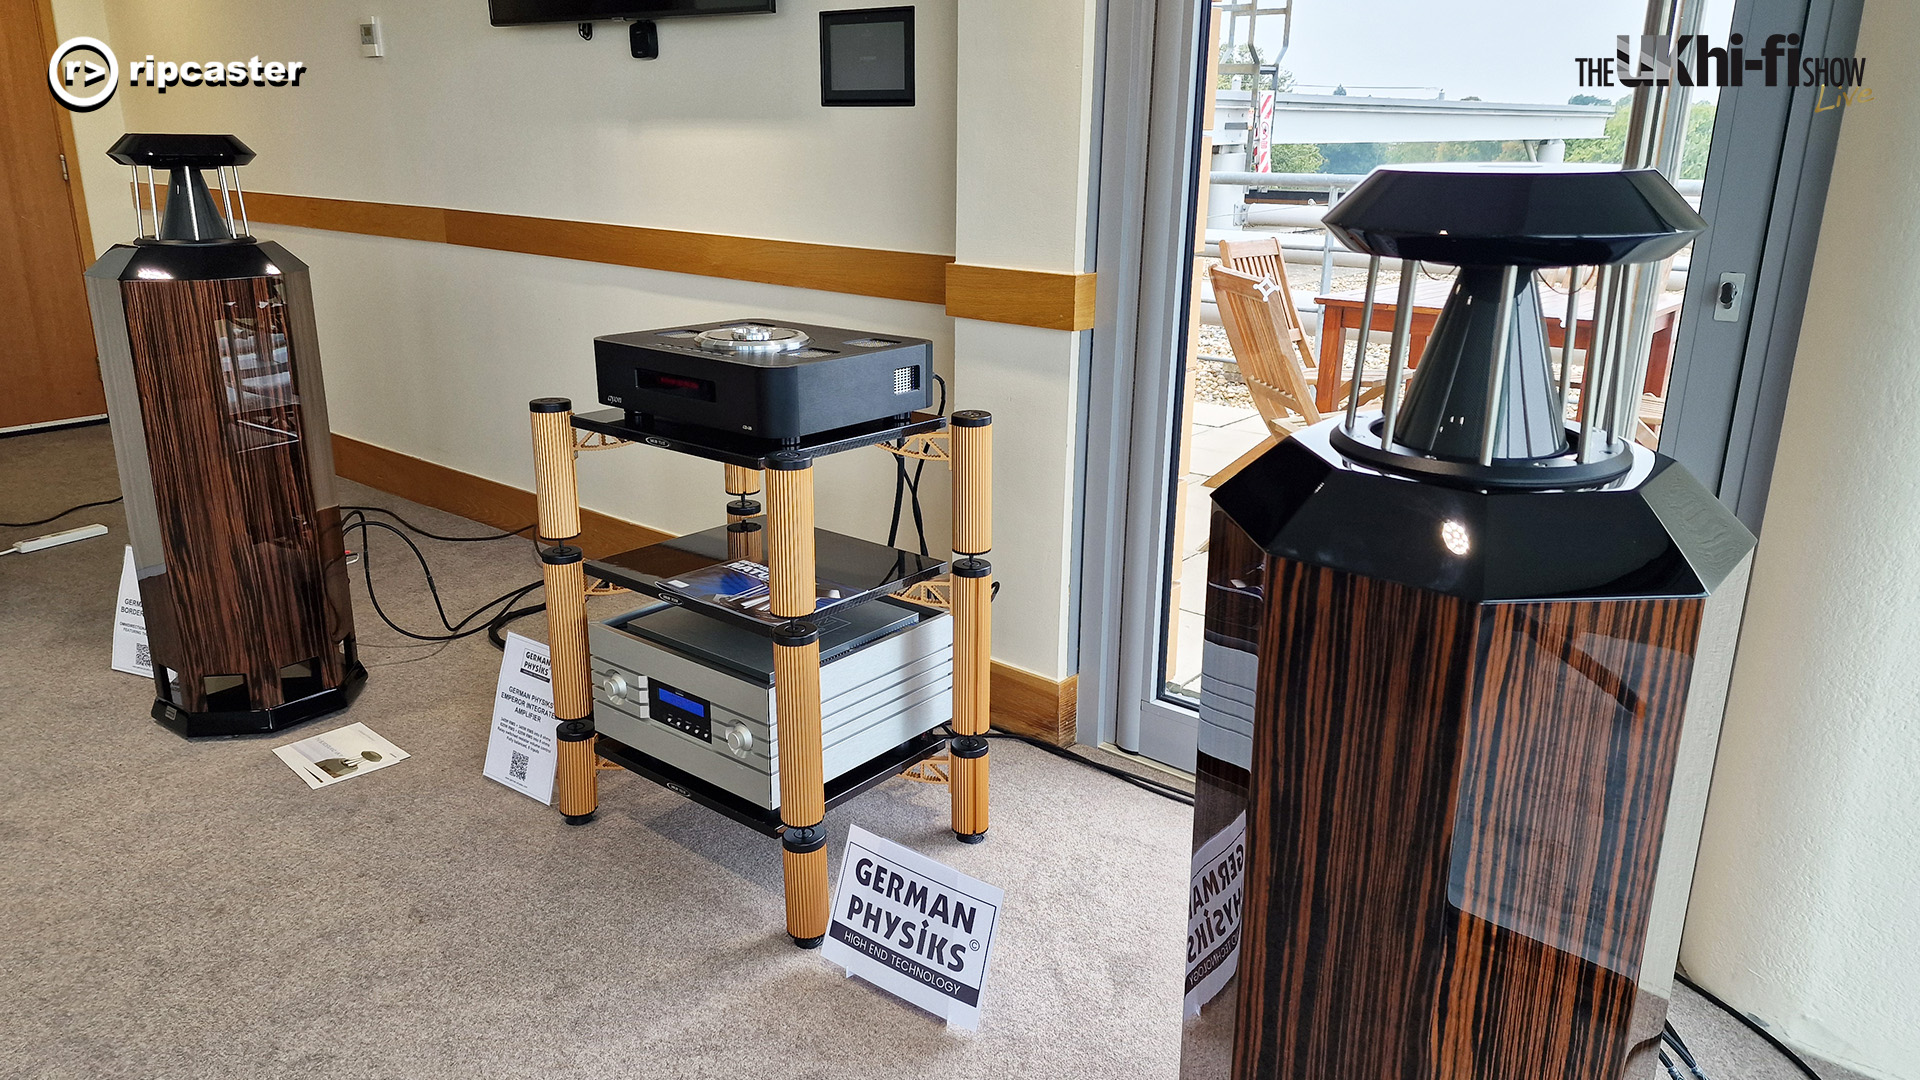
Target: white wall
(433, 350)
(1804, 901)
(1025, 138)
(103, 184)
(724, 133)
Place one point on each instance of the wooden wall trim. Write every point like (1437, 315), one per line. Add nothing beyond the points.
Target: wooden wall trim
(344, 215)
(1022, 297)
(1029, 704)
(1054, 301)
(1023, 703)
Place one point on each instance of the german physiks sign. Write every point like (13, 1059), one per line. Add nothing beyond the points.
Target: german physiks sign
(915, 928)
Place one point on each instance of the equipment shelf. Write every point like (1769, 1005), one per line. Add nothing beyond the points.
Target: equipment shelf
(854, 571)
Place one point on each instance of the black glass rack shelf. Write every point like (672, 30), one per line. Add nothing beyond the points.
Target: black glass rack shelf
(748, 452)
(696, 571)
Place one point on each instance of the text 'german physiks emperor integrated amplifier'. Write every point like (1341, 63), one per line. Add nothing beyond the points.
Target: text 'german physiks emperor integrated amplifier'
(763, 380)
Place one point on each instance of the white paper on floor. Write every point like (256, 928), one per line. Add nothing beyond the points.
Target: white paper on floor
(341, 754)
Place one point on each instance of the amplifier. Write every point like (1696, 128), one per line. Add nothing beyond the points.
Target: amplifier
(769, 381)
(697, 693)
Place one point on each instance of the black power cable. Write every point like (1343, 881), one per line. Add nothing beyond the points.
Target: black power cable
(455, 630)
(1144, 783)
(418, 531)
(903, 483)
(1751, 1025)
(61, 514)
(494, 625)
(1679, 1046)
(501, 620)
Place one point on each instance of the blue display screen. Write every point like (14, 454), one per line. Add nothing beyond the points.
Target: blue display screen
(668, 697)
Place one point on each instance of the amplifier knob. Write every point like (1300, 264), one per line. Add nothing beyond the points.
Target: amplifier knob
(614, 684)
(739, 740)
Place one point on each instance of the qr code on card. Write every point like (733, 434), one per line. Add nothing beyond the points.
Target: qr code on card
(517, 767)
(141, 658)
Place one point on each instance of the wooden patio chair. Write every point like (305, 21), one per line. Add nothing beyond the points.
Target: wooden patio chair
(1262, 258)
(1257, 314)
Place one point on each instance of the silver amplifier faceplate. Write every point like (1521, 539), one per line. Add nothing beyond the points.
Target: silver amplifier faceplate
(873, 697)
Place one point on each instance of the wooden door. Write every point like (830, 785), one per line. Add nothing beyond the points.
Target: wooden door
(48, 368)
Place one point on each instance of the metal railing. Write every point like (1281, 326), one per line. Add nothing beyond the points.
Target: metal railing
(1342, 182)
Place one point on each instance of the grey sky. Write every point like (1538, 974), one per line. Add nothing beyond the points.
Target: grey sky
(1499, 50)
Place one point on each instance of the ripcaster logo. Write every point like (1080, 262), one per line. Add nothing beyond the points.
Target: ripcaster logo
(81, 62)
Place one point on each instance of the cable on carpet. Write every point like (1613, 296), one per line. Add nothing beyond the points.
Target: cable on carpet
(1672, 1039)
(1144, 783)
(357, 519)
(1751, 1025)
(417, 530)
(501, 620)
(61, 514)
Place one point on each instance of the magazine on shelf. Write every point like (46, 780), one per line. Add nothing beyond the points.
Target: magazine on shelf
(741, 585)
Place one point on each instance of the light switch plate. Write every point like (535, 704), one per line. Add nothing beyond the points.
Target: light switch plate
(371, 41)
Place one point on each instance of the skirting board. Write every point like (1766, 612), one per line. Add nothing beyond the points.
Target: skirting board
(1023, 703)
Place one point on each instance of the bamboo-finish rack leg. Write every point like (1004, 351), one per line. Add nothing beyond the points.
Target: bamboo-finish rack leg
(556, 493)
(796, 690)
(971, 605)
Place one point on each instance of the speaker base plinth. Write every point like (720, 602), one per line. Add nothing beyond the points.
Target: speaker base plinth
(201, 725)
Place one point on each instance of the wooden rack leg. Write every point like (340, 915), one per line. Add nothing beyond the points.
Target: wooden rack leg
(796, 682)
(576, 777)
(744, 539)
(971, 599)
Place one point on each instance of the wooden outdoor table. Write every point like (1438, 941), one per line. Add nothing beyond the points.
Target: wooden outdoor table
(1343, 314)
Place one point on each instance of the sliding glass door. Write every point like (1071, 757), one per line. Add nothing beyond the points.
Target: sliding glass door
(1230, 128)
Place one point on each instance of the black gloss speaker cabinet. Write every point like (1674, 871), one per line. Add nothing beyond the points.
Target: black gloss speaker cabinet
(1447, 648)
(212, 369)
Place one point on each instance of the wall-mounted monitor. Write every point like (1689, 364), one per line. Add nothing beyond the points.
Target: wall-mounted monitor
(523, 12)
(866, 57)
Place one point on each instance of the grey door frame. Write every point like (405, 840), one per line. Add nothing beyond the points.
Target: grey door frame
(1147, 182)
(1763, 199)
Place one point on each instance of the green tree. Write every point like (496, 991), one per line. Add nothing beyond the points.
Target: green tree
(1611, 147)
(1298, 158)
(1699, 140)
(1416, 153)
(1352, 157)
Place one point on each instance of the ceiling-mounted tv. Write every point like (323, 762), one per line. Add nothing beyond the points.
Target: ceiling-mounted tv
(522, 12)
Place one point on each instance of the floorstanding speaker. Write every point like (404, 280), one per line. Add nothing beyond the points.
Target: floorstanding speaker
(212, 369)
(1447, 648)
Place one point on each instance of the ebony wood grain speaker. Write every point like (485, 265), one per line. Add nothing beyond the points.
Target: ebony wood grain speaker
(1446, 690)
(212, 368)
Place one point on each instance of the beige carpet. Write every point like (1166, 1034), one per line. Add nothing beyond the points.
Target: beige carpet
(175, 909)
